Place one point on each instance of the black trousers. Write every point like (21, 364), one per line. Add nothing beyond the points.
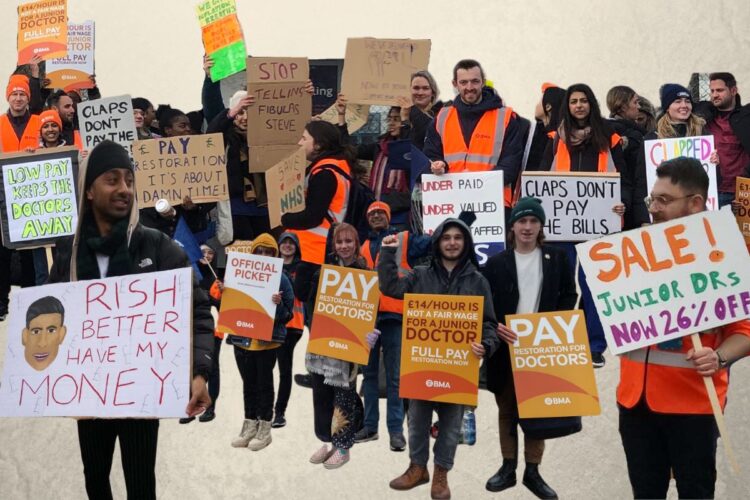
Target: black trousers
(657, 443)
(214, 378)
(138, 440)
(338, 413)
(285, 356)
(256, 370)
(5, 256)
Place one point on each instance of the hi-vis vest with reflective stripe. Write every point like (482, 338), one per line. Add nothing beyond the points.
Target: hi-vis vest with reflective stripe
(298, 319)
(389, 304)
(561, 161)
(485, 147)
(667, 381)
(312, 242)
(29, 138)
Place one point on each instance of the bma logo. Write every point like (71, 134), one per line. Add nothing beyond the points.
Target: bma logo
(338, 345)
(439, 384)
(557, 401)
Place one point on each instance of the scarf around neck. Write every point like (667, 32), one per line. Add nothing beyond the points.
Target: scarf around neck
(114, 246)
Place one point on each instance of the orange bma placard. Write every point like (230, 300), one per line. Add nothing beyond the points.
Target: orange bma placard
(551, 362)
(42, 30)
(436, 359)
(743, 207)
(346, 307)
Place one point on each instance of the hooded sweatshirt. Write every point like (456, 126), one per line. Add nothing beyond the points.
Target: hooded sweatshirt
(434, 278)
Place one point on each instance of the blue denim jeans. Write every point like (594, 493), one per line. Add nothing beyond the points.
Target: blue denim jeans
(450, 417)
(390, 342)
(41, 269)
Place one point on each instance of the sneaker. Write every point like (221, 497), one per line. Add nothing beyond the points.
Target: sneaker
(208, 415)
(322, 454)
(278, 421)
(398, 442)
(303, 380)
(597, 359)
(363, 435)
(337, 459)
(186, 420)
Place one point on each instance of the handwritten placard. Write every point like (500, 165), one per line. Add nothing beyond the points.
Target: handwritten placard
(378, 71)
(222, 37)
(578, 205)
(698, 147)
(109, 118)
(175, 167)
(109, 348)
(286, 187)
(42, 30)
(356, 116)
(72, 72)
(448, 195)
(668, 280)
(38, 202)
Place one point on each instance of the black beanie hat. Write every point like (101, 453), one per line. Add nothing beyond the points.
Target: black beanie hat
(105, 156)
(528, 206)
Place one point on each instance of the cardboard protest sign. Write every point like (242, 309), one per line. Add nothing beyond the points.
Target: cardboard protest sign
(109, 348)
(668, 280)
(578, 205)
(551, 361)
(109, 118)
(38, 202)
(346, 307)
(264, 157)
(326, 77)
(222, 37)
(285, 183)
(174, 167)
(436, 359)
(246, 306)
(72, 72)
(743, 212)
(282, 107)
(378, 71)
(42, 30)
(448, 195)
(699, 147)
(241, 246)
(356, 116)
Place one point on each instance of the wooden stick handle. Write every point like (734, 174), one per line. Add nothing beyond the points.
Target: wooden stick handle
(718, 414)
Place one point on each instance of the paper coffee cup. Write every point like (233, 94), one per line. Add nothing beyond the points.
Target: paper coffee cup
(163, 207)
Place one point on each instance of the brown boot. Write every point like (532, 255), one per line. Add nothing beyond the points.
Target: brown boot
(413, 477)
(440, 488)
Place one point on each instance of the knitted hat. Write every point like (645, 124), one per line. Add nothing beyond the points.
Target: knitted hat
(17, 82)
(670, 92)
(104, 157)
(50, 115)
(528, 206)
(236, 98)
(379, 205)
(265, 240)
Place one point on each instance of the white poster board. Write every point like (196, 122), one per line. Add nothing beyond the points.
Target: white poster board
(110, 118)
(246, 306)
(578, 205)
(668, 280)
(699, 147)
(109, 348)
(446, 196)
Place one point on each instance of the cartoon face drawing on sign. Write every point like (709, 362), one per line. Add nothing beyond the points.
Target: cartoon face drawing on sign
(44, 332)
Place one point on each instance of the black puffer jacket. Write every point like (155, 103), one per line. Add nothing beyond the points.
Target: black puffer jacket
(433, 278)
(159, 253)
(636, 213)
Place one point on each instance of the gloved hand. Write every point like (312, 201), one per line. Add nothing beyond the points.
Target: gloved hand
(372, 338)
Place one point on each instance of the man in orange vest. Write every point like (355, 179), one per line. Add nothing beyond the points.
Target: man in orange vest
(411, 248)
(666, 420)
(476, 132)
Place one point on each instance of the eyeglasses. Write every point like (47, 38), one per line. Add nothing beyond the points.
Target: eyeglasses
(662, 201)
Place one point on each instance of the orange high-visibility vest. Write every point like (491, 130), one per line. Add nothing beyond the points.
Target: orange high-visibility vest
(561, 161)
(10, 141)
(483, 151)
(667, 381)
(77, 141)
(312, 242)
(389, 304)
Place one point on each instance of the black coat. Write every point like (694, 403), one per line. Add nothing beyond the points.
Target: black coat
(636, 213)
(739, 119)
(558, 294)
(162, 254)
